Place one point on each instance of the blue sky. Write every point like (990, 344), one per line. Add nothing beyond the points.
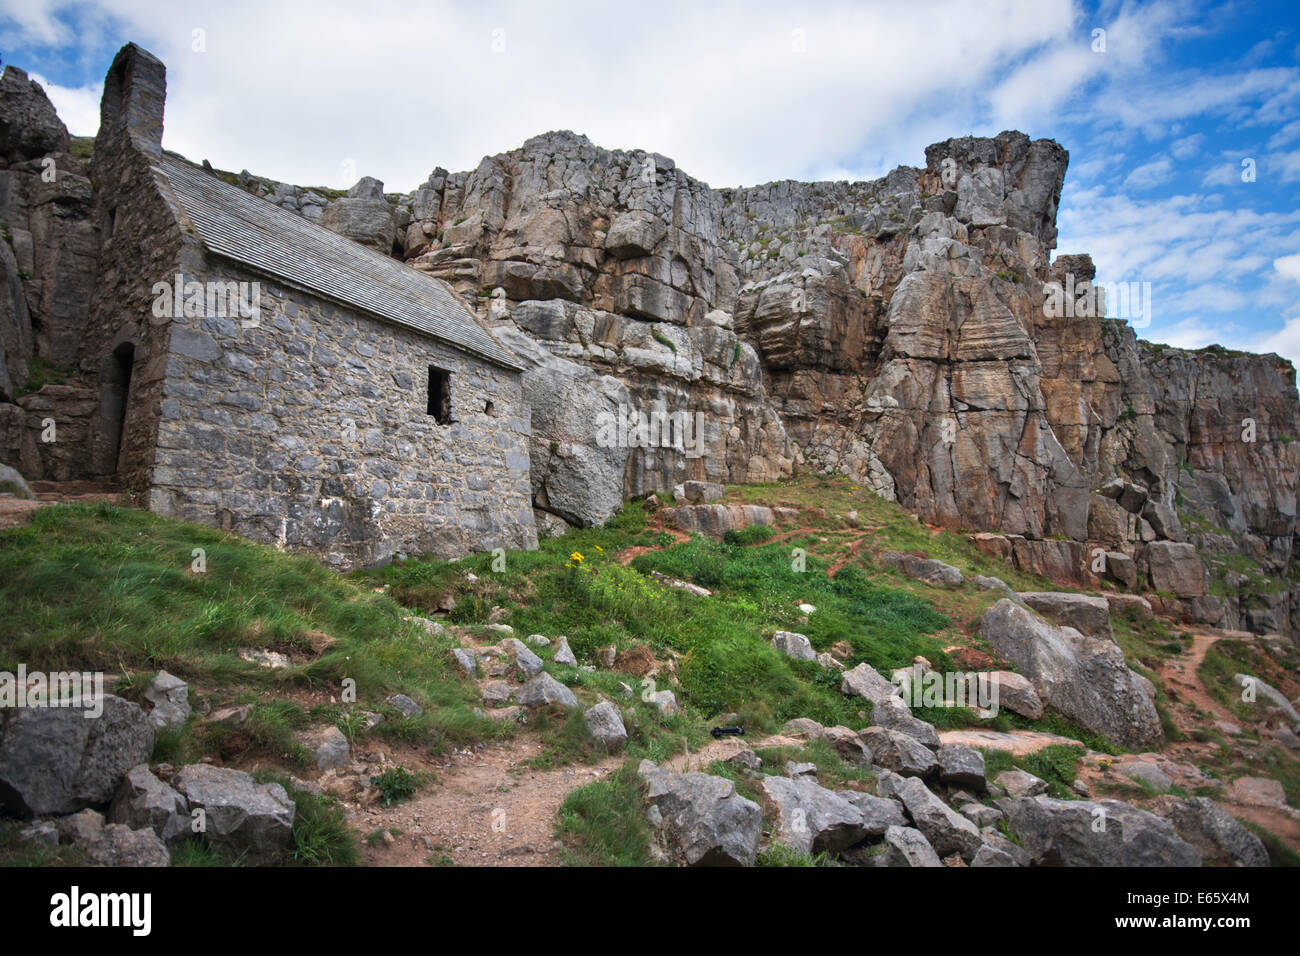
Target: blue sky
(1158, 123)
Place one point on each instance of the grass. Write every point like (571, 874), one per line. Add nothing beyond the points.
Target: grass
(604, 824)
(1056, 765)
(42, 372)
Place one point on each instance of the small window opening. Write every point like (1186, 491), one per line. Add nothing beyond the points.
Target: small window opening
(440, 395)
(489, 408)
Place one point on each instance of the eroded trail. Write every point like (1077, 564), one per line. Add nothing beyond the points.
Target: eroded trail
(485, 808)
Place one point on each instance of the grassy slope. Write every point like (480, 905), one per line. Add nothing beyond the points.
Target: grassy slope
(105, 588)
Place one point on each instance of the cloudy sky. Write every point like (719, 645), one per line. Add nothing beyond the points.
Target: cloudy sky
(1182, 119)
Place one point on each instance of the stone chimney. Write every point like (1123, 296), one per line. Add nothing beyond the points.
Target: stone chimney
(135, 91)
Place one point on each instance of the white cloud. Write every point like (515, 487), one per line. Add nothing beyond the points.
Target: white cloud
(402, 87)
(1188, 146)
(78, 108)
(1151, 174)
(1288, 266)
(1284, 341)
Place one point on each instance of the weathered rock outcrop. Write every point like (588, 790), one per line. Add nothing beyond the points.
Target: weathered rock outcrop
(912, 332)
(1086, 678)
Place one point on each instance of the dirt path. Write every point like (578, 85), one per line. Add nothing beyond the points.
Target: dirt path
(15, 511)
(485, 808)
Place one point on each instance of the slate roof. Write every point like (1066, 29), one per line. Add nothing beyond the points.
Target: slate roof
(259, 234)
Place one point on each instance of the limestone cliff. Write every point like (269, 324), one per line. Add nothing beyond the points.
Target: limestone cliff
(893, 330)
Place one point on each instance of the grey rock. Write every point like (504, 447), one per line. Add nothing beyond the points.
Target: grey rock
(927, 570)
(961, 767)
(812, 818)
(1104, 833)
(330, 748)
(118, 845)
(496, 691)
(991, 856)
(665, 702)
(746, 760)
(1086, 614)
(1269, 693)
(947, 831)
(244, 820)
(1018, 783)
(145, 801)
(80, 826)
(1146, 772)
(563, 654)
(794, 645)
(528, 662)
(894, 714)
(865, 681)
(906, 846)
(404, 704)
(42, 833)
(878, 813)
(1207, 827)
(1084, 678)
(170, 698)
(794, 768)
(704, 820)
(56, 760)
(981, 815)
(466, 659)
(802, 727)
(848, 745)
(1016, 693)
(899, 752)
(545, 691)
(606, 725)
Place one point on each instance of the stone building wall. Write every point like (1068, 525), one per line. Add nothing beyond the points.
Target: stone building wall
(311, 431)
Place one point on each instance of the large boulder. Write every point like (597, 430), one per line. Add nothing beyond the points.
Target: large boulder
(1176, 568)
(907, 847)
(961, 766)
(143, 800)
(545, 691)
(1084, 678)
(56, 760)
(865, 681)
(812, 818)
(1016, 693)
(1086, 614)
(899, 752)
(704, 820)
(577, 466)
(243, 820)
(927, 570)
(363, 216)
(893, 714)
(1104, 833)
(947, 830)
(1202, 823)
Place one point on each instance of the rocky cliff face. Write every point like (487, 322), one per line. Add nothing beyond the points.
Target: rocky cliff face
(894, 330)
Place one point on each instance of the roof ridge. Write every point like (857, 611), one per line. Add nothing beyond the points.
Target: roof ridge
(259, 234)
